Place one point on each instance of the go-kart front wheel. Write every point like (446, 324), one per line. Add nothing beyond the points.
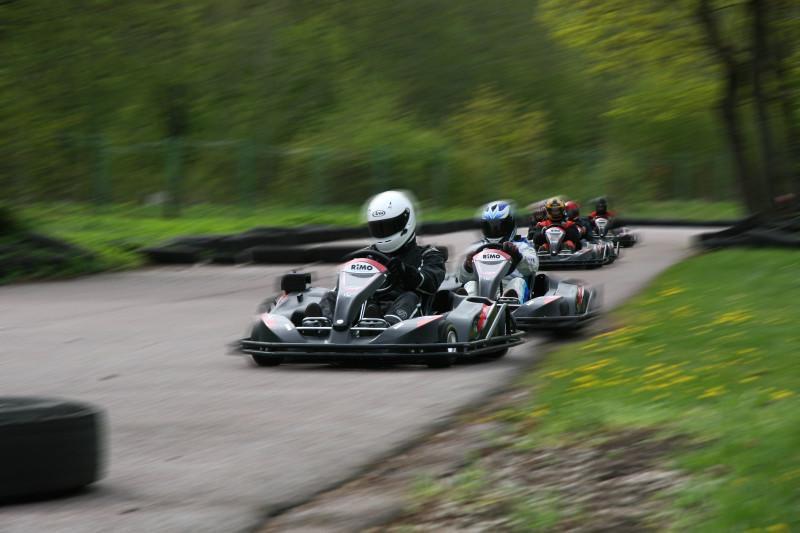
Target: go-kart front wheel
(448, 335)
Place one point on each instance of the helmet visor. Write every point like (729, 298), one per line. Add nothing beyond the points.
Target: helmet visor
(497, 228)
(380, 229)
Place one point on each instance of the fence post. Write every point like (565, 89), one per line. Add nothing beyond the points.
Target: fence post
(100, 185)
(441, 179)
(318, 176)
(379, 174)
(172, 205)
(245, 173)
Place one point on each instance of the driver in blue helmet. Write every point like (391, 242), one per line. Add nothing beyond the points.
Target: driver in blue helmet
(415, 272)
(499, 228)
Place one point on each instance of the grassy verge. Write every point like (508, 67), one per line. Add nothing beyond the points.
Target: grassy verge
(114, 233)
(684, 210)
(708, 356)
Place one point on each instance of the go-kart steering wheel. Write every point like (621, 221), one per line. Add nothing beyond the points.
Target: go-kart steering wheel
(488, 245)
(380, 257)
(495, 246)
(375, 255)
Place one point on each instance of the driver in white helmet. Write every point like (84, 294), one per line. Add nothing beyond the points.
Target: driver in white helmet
(415, 271)
(499, 228)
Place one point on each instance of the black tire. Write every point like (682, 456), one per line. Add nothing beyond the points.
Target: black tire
(447, 333)
(267, 360)
(49, 447)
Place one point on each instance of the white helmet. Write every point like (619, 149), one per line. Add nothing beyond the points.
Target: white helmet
(391, 220)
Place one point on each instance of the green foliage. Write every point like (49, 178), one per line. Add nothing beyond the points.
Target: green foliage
(708, 351)
(460, 101)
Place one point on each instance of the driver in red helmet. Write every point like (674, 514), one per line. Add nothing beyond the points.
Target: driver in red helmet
(574, 216)
(557, 216)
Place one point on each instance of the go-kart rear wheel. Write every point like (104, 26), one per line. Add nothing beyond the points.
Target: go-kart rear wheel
(448, 335)
(267, 360)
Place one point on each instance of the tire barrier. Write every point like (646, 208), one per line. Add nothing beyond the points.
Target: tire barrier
(31, 252)
(49, 447)
(674, 222)
(756, 232)
(293, 255)
(278, 245)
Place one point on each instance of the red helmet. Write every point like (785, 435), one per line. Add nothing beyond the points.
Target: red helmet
(573, 209)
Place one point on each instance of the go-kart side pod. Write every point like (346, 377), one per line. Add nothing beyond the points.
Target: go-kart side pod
(558, 311)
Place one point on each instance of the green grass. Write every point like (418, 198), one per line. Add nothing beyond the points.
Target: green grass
(710, 351)
(114, 233)
(683, 209)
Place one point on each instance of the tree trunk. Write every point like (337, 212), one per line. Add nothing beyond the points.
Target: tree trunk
(747, 180)
(791, 122)
(760, 57)
(750, 189)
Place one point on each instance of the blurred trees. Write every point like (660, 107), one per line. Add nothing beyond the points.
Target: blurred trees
(460, 101)
(731, 56)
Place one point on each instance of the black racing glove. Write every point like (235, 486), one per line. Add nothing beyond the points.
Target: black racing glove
(408, 277)
(468, 263)
(516, 256)
(395, 268)
(511, 249)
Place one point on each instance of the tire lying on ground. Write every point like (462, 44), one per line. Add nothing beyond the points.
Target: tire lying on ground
(48, 447)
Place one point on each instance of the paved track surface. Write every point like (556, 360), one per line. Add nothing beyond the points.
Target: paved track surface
(201, 441)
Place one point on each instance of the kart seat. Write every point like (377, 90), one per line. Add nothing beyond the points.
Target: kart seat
(540, 286)
(441, 302)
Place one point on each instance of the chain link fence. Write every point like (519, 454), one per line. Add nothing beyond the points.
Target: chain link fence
(177, 172)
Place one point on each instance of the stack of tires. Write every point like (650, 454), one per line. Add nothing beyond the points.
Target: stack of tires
(49, 447)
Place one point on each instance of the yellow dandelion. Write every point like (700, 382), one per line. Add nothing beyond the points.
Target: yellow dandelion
(672, 291)
(541, 411)
(790, 475)
(778, 528)
(781, 394)
(733, 317)
(558, 374)
(683, 311)
(712, 392)
(595, 366)
(748, 379)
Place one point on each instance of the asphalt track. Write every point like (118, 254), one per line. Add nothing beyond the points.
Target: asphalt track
(201, 441)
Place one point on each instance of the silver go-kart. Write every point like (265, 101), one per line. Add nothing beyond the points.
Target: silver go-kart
(552, 305)
(475, 327)
(558, 256)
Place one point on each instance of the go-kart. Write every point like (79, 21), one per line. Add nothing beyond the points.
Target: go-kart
(475, 327)
(619, 236)
(551, 305)
(557, 256)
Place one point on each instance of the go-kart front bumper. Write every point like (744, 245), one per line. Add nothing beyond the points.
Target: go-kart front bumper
(317, 352)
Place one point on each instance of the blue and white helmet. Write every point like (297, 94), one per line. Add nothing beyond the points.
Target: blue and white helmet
(497, 222)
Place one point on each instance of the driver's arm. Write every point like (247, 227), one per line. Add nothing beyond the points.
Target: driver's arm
(431, 270)
(465, 275)
(529, 263)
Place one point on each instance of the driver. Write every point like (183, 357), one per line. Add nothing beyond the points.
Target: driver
(500, 228)
(601, 210)
(557, 216)
(574, 215)
(414, 271)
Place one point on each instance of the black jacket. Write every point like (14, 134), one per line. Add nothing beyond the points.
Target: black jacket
(424, 271)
